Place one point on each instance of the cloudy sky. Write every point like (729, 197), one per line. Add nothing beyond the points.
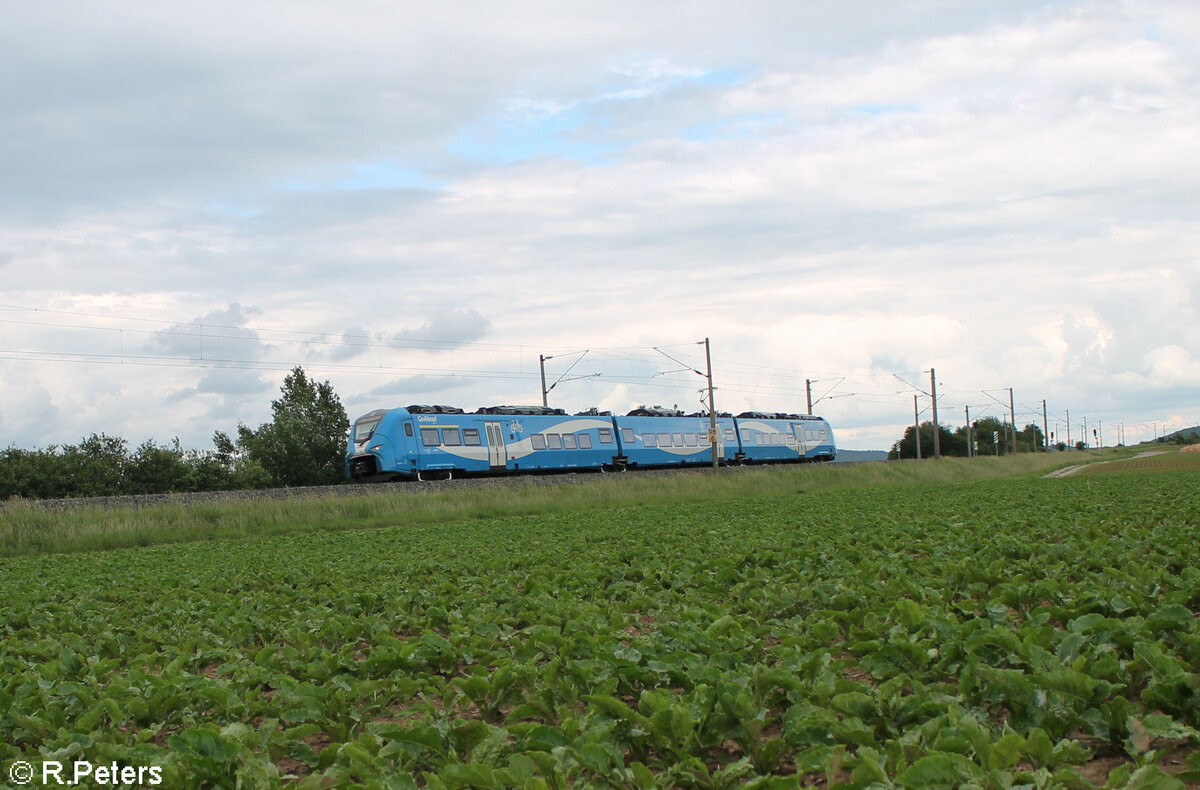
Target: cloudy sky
(416, 200)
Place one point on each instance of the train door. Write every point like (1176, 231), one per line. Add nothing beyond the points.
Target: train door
(496, 448)
(801, 445)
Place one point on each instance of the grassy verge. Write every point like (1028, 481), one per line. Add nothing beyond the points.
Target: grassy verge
(30, 529)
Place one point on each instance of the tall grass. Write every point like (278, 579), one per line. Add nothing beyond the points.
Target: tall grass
(28, 528)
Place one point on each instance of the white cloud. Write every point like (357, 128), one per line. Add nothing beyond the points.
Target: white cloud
(1173, 366)
(1003, 191)
(448, 327)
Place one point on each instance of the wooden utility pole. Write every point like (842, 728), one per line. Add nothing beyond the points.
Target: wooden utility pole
(937, 441)
(808, 392)
(1045, 429)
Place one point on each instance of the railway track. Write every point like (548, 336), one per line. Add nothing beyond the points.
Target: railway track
(362, 489)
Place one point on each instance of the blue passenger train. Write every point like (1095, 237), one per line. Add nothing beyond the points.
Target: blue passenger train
(427, 442)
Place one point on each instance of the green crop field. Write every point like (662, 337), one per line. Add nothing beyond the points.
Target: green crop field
(993, 633)
(1151, 462)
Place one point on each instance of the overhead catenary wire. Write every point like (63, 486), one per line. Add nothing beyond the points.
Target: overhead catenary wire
(278, 348)
(212, 331)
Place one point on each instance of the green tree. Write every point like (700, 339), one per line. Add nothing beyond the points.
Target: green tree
(95, 466)
(950, 443)
(154, 469)
(304, 444)
(227, 467)
(994, 437)
(32, 474)
(1031, 439)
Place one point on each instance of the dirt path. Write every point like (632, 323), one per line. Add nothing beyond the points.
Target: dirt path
(1067, 471)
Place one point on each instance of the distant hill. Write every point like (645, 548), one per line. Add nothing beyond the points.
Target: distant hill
(845, 456)
(1193, 433)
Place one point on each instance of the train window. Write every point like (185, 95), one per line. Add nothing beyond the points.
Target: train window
(568, 441)
(730, 436)
(429, 437)
(664, 440)
(364, 428)
(471, 437)
(606, 436)
(627, 436)
(585, 441)
(691, 440)
(554, 441)
(451, 437)
(677, 439)
(538, 441)
(408, 429)
(649, 440)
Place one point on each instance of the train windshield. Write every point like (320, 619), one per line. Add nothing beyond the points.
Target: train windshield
(364, 428)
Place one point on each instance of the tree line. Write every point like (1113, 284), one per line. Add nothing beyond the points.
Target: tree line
(990, 436)
(303, 444)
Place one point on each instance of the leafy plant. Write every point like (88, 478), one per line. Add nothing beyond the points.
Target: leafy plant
(901, 636)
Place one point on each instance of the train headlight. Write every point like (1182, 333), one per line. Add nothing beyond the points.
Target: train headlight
(377, 448)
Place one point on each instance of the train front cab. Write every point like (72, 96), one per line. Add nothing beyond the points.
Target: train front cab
(379, 445)
(424, 442)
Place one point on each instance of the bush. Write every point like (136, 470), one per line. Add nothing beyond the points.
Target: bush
(101, 465)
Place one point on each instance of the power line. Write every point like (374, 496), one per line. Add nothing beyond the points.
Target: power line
(331, 351)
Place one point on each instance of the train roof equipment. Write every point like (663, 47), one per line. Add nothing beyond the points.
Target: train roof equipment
(543, 410)
(654, 411)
